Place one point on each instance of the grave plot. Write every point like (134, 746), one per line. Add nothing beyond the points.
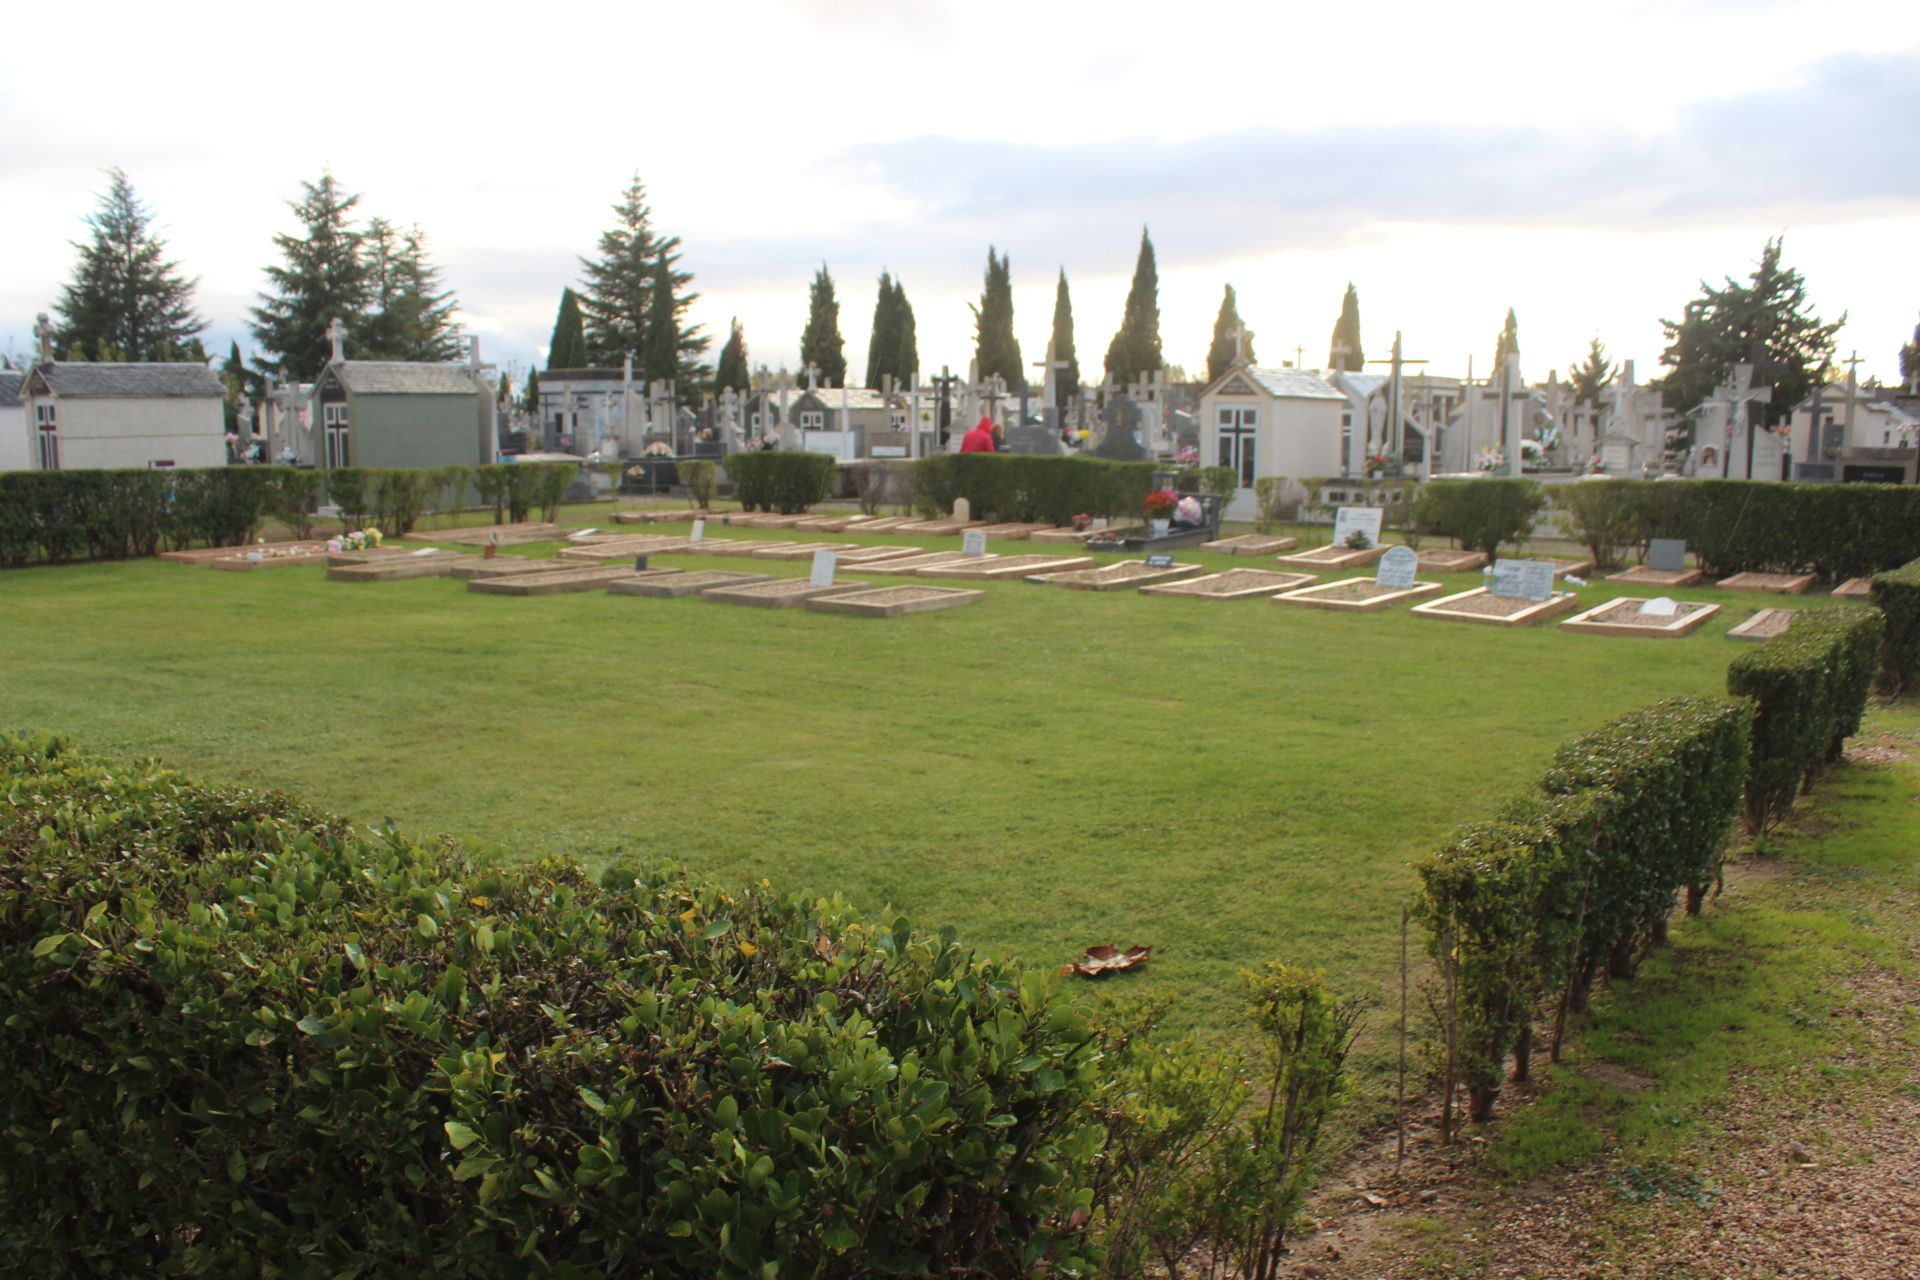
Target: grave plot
(952, 524)
(508, 567)
(893, 602)
(1571, 568)
(1519, 595)
(1333, 557)
(207, 555)
(870, 555)
(278, 556)
(1234, 584)
(1444, 560)
(1060, 535)
(765, 520)
(662, 517)
(1014, 531)
(909, 564)
(804, 550)
(1780, 584)
(372, 555)
(1764, 625)
(402, 569)
(912, 528)
(886, 524)
(1658, 617)
(992, 567)
(505, 535)
(1251, 544)
(781, 593)
(566, 582)
(674, 586)
(730, 546)
(1647, 576)
(623, 549)
(1125, 576)
(1357, 595)
(1855, 589)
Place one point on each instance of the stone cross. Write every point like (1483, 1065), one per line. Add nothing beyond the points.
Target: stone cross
(337, 335)
(1340, 353)
(813, 376)
(1050, 387)
(1239, 344)
(43, 332)
(1741, 393)
(1395, 416)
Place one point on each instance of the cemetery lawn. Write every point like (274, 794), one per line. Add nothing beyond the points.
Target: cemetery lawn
(1047, 770)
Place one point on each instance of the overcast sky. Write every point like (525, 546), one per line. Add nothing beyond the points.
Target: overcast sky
(1451, 161)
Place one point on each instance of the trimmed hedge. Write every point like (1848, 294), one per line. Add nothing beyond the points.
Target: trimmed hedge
(1810, 686)
(234, 1034)
(779, 481)
(1897, 593)
(1483, 514)
(1030, 487)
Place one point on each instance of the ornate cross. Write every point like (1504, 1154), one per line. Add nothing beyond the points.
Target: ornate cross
(337, 335)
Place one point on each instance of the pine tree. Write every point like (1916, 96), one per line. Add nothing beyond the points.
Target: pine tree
(731, 369)
(994, 345)
(882, 346)
(124, 293)
(1910, 361)
(323, 276)
(906, 337)
(1508, 344)
(820, 342)
(1346, 353)
(1135, 349)
(1591, 376)
(660, 357)
(1225, 325)
(1764, 322)
(1067, 385)
(567, 348)
(618, 297)
(410, 316)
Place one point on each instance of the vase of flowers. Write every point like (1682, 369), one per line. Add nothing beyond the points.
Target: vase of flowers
(1159, 504)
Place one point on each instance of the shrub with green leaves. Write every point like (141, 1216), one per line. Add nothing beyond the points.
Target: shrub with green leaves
(296, 493)
(1897, 593)
(1269, 497)
(350, 489)
(1601, 515)
(1483, 514)
(1028, 487)
(237, 1035)
(701, 476)
(782, 481)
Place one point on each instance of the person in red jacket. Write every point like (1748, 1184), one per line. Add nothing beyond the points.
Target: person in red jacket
(980, 439)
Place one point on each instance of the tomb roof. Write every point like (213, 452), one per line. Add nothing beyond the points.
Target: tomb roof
(1295, 384)
(399, 377)
(131, 380)
(10, 389)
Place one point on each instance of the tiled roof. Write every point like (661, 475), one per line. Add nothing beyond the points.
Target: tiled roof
(131, 381)
(1295, 384)
(401, 378)
(10, 389)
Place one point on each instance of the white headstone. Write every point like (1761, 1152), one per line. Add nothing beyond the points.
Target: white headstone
(1348, 521)
(974, 542)
(1523, 579)
(1397, 568)
(962, 509)
(823, 562)
(1668, 555)
(698, 531)
(1659, 607)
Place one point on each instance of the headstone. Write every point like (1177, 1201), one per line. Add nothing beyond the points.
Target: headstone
(639, 564)
(1160, 562)
(1397, 568)
(1659, 607)
(1523, 579)
(698, 531)
(973, 542)
(962, 509)
(1668, 555)
(823, 562)
(1348, 521)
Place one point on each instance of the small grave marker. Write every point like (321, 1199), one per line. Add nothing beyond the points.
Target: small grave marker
(1659, 607)
(1523, 579)
(1397, 568)
(1348, 521)
(974, 543)
(639, 564)
(698, 531)
(1160, 562)
(1668, 555)
(962, 509)
(424, 551)
(823, 562)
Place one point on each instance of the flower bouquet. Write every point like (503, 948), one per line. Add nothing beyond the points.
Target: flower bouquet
(1082, 523)
(1160, 503)
(1188, 456)
(658, 449)
(355, 540)
(1187, 511)
(1489, 459)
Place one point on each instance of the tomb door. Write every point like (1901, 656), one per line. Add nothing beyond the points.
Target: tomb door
(49, 436)
(333, 418)
(1238, 427)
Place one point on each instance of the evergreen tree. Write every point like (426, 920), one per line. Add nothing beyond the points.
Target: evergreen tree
(994, 345)
(530, 396)
(323, 275)
(1135, 349)
(1764, 322)
(567, 348)
(660, 357)
(240, 383)
(1225, 326)
(411, 316)
(820, 342)
(906, 337)
(1910, 361)
(731, 370)
(503, 395)
(884, 343)
(618, 298)
(1346, 353)
(124, 295)
(1508, 344)
(1591, 376)
(1067, 385)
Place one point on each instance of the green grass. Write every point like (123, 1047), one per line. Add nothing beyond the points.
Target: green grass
(1047, 770)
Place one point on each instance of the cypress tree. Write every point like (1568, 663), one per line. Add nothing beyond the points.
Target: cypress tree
(997, 350)
(1508, 344)
(906, 337)
(660, 358)
(731, 370)
(884, 343)
(1910, 360)
(1346, 353)
(124, 294)
(1225, 325)
(820, 342)
(530, 397)
(1135, 349)
(323, 275)
(1591, 376)
(503, 396)
(618, 296)
(567, 348)
(1067, 385)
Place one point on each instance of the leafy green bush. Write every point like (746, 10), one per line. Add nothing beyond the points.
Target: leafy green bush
(234, 1033)
(398, 497)
(551, 480)
(350, 489)
(1027, 487)
(296, 494)
(701, 476)
(490, 482)
(1601, 515)
(1810, 687)
(1482, 514)
(1270, 498)
(1897, 593)
(782, 481)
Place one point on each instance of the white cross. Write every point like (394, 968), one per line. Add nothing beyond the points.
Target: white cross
(43, 331)
(337, 335)
(813, 376)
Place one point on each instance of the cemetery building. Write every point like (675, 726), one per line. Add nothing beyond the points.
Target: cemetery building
(1845, 432)
(1264, 421)
(13, 422)
(396, 413)
(80, 415)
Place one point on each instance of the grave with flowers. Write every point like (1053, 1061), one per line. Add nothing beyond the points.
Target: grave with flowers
(1173, 519)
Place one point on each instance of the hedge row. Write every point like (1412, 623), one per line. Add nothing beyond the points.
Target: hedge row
(779, 481)
(1810, 688)
(1482, 515)
(1024, 487)
(1582, 874)
(237, 1037)
(1897, 592)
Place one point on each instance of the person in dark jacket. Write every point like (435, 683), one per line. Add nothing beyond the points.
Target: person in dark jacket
(980, 439)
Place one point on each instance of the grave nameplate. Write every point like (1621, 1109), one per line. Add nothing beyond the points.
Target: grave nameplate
(1348, 521)
(698, 531)
(973, 543)
(823, 562)
(1397, 568)
(1160, 562)
(1659, 607)
(1668, 555)
(1523, 579)
(639, 564)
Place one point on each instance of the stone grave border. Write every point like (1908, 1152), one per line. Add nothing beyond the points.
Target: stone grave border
(1108, 578)
(507, 535)
(1570, 568)
(804, 550)
(1251, 544)
(895, 602)
(513, 567)
(779, 593)
(1190, 586)
(1641, 575)
(1682, 625)
(1780, 584)
(994, 567)
(1551, 607)
(1762, 625)
(568, 583)
(1332, 557)
(903, 565)
(1455, 561)
(672, 584)
(1308, 596)
(404, 569)
(1854, 589)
